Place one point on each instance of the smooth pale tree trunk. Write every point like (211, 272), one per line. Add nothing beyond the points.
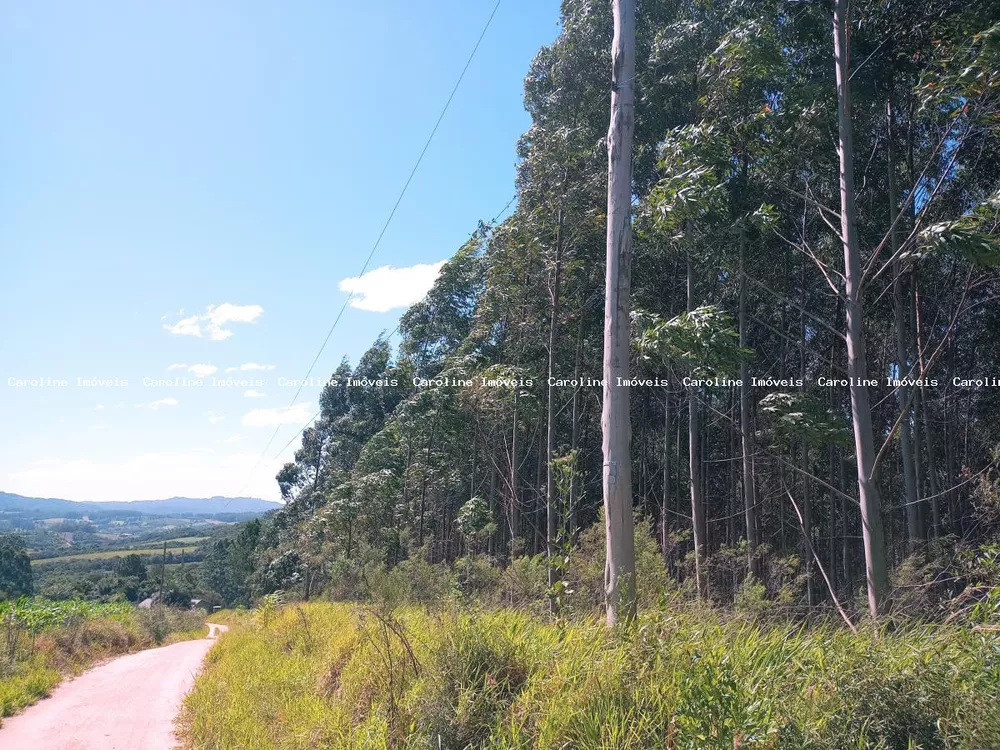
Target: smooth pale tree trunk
(932, 484)
(899, 299)
(746, 436)
(665, 501)
(538, 496)
(925, 416)
(807, 510)
(574, 438)
(918, 409)
(619, 574)
(698, 524)
(857, 366)
(513, 512)
(550, 434)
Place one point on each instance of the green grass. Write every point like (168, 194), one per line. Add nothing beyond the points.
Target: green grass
(108, 554)
(325, 675)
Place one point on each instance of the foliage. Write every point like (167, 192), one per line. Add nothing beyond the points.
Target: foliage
(802, 416)
(701, 342)
(15, 568)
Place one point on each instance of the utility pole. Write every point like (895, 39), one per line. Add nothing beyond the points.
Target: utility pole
(616, 428)
(163, 570)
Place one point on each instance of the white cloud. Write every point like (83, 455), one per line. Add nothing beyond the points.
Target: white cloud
(297, 415)
(253, 394)
(185, 327)
(233, 439)
(212, 323)
(386, 288)
(98, 407)
(155, 405)
(249, 367)
(213, 418)
(199, 371)
(203, 371)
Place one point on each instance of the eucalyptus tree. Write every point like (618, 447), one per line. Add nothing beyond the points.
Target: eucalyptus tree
(620, 581)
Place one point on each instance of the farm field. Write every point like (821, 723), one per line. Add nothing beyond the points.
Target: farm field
(108, 554)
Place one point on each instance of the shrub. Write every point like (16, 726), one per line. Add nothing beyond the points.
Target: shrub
(159, 622)
(477, 577)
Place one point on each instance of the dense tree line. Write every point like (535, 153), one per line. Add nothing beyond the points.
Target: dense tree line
(816, 196)
(15, 568)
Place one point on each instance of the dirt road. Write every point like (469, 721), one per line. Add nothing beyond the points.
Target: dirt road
(130, 703)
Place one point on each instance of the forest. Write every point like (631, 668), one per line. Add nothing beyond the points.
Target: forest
(813, 436)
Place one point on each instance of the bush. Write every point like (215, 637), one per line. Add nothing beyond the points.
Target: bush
(421, 582)
(477, 577)
(159, 622)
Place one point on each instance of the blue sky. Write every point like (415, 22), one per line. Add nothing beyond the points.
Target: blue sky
(189, 183)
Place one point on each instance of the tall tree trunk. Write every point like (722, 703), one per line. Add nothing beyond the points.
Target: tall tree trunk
(925, 416)
(899, 299)
(665, 500)
(538, 496)
(513, 512)
(423, 484)
(574, 437)
(616, 428)
(932, 484)
(491, 539)
(698, 524)
(807, 509)
(857, 366)
(746, 436)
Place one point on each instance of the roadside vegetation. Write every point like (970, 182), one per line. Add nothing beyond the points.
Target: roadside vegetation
(455, 656)
(367, 676)
(43, 641)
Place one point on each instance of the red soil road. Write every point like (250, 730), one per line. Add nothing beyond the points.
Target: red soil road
(129, 703)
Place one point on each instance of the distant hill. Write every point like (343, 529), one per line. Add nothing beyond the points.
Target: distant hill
(183, 506)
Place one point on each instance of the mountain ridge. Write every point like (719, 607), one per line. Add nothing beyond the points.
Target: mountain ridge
(167, 506)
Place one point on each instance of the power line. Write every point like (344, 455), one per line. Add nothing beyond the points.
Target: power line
(381, 234)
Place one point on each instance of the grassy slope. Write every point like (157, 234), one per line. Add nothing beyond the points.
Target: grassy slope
(321, 675)
(65, 651)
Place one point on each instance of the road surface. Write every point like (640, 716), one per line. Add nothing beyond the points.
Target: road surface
(129, 703)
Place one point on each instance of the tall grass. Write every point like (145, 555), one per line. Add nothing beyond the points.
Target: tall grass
(332, 676)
